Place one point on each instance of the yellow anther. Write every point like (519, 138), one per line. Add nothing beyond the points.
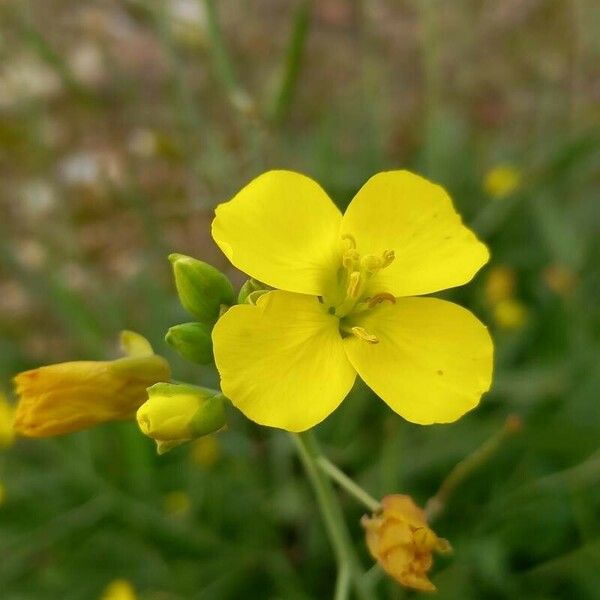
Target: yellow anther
(362, 334)
(387, 258)
(349, 241)
(379, 298)
(350, 259)
(371, 263)
(354, 286)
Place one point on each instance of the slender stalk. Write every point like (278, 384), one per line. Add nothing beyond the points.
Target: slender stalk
(342, 586)
(293, 62)
(437, 503)
(348, 484)
(308, 451)
(224, 69)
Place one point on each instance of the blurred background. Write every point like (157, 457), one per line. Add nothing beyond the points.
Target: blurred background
(124, 122)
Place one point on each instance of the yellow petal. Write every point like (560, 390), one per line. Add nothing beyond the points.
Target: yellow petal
(433, 360)
(282, 229)
(403, 212)
(282, 362)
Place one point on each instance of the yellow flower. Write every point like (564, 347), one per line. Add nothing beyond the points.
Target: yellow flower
(502, 181)
(7, 419)
(400, 540)
(510, 314)
(177, 504)
(500, 284)
(119, 589)
(66, 397)
(205, 451)
(342, 306)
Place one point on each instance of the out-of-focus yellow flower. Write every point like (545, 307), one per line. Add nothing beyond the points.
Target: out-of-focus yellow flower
(119, 589)
(500, 284)
(399, 538)
(66, 397)
(502, 180)
(205, 451)
(560, 279)
(177, 504)
(7, 419)
(510, 314)
(349, 301)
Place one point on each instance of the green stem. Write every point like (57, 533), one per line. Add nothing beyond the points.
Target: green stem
(293, 62)
(309, 453)
(437, 503)
(348, 484)
(342, 586)
(237, 96)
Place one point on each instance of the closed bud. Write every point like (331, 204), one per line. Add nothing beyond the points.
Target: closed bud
(192, 341)
(176, 413)
(202, 289)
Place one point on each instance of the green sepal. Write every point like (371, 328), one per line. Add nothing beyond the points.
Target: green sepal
(248, 288)
(210, 417)
(192, 341)
(202, 289)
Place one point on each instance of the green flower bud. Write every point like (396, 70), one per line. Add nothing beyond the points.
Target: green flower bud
(202, 289)
(192, 341)
(248, 288)
(177, 413)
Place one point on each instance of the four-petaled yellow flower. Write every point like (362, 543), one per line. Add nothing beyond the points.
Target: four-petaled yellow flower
(343, 302)
(400, 540)
(66, 397)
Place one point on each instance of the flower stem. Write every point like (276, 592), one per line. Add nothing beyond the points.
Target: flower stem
(309, 453)
(437, 503)
(342, 585)
(348, 484)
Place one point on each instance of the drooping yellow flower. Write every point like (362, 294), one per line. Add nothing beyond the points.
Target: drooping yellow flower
(343, 305)
(119, 589)
(7, 419)
(501, 181)
(66, 397)
(400, 540)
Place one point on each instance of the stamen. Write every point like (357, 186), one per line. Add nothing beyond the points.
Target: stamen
(371, 263)
(353, 285)
(382, 297)
(387, 258)
(350, 259)
(362, 334)
(350, 241)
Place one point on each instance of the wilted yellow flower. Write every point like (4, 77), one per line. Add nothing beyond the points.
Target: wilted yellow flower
(119, 589)
(205, 451)
(510, 314)
(66, 397)
(502, 180)
(7, 419)
(500, 284)
(399, 538)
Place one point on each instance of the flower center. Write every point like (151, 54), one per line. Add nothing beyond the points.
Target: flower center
(353, 277)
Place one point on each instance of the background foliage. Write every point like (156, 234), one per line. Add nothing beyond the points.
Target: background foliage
(123, 123)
